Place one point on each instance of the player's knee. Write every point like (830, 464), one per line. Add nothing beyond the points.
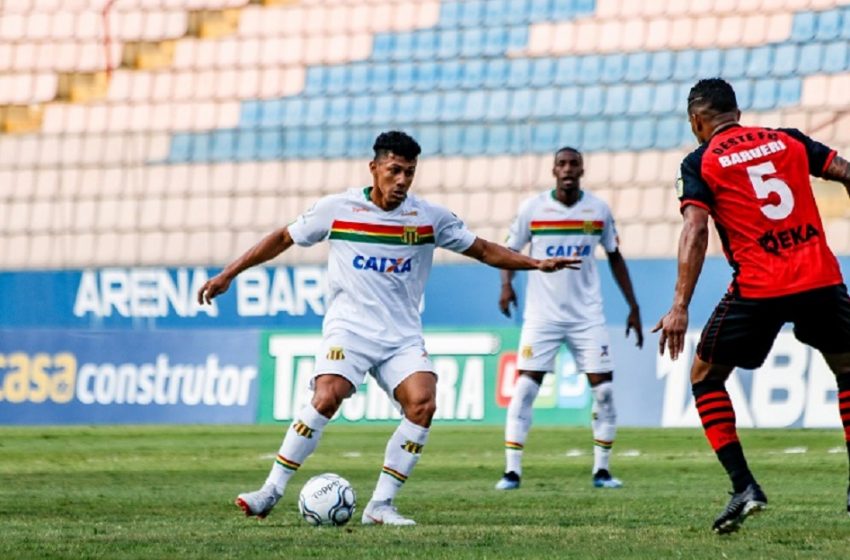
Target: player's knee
(326, 402)
(421, 410)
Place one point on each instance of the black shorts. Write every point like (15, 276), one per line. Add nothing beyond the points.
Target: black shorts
(741, 331)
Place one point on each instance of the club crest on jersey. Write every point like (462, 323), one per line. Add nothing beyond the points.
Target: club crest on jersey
(568, 250)
(387, 265)
(527, 352)
(336, 353)
(410, 235)
(588, 226)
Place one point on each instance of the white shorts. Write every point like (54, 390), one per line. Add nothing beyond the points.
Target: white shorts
(352, 357)
(539, 344)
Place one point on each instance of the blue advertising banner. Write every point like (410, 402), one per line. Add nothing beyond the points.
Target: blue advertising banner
(119, 377)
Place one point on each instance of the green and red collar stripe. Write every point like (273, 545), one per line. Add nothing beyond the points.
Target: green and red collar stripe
(379, 233)
(567, 227)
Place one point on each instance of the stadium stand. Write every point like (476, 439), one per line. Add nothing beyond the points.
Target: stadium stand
(148, 132)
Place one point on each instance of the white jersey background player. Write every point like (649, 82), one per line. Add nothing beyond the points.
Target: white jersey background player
(565, 307)
(382, 242)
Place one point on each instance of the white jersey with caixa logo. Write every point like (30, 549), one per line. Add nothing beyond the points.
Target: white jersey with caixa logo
(379, 261)
(556, 230)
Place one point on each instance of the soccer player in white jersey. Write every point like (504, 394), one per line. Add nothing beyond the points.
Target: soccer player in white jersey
(565, 307)
(382, 241)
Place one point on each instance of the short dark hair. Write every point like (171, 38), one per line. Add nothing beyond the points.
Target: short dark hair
(397, 142)
(568, 149)
(713, 93)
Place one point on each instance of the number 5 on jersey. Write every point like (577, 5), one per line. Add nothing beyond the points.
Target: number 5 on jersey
(764, 187)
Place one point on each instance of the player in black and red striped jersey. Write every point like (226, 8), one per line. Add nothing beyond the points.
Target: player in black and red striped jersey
(754, 183)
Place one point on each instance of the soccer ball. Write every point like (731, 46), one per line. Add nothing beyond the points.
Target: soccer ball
(327, 499)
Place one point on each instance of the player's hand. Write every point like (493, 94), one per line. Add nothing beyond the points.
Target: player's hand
(506, 298)
(633, 322)
(212, 288)
(558, 263)
(673, 327)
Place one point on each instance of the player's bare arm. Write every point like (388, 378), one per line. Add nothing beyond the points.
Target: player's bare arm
(624, 281)
(268, 248)
(839, 170)
(692, 246)
(500, 257)
(507, 296)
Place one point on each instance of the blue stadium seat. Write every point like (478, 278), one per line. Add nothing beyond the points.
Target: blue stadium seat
(764, 95)
(546, 102)
(425, 44)
(544, 136)
(542, 72)
(360, 140)
(404, 77)
(522, 100)
(517, 37)
(709, 62)
(828, 26)
(616, 100)
(201, 147)
(380, 78)
(743, 92)
(566, 70)
(784, 60)
(516, 11)
(222, 144)
(429, 139)
(668, 134)
(569, 133)
(337, 81)
(790, 92)
(336, 142)
(613, 68)
(338, 110)
(584, 6)
(734, 63)
(619, 135)
(637, 67)
(803, 27)
(362, 109)
(429, 107)
(358, 78)
(592, 101)
(498, 139)
(448, 45)
(661, 66)
(519, 73)
(452, 107)
(685, 65)
(314, 80)
(589, 67)
(760, 62)
(595, 135)
(496, 13)
(540, 10)
(472, 42)
(497, 73)
(383, 45)
(270, 145)
(451, 73)
(407, 107)
(427, 76)
(498, 103)
(471, 13)
(246, 145)
(640, 100)
(495, 41)
(180, 148)
(520, 139)
(473, 73)
(642, 137)
(250, 112)
(292, 110)
(569, 101)
(312, 142)
(835, 57)
(811, 57)
(449, 13)
(845, 26)
(475, 105)
(314, 111)
(405, 46)
(474, 138)
(664, 101)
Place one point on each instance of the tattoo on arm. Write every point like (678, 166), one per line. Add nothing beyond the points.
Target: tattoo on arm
(838, 170)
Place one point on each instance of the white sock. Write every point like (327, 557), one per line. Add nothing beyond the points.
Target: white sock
(518, 422)
(300, 441)
(604, 424)
(403, 451)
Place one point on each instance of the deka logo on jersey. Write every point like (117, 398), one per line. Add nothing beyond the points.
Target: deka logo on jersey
(568, 250)
(382, 264)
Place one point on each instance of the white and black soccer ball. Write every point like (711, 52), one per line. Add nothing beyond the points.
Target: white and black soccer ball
(327, 499)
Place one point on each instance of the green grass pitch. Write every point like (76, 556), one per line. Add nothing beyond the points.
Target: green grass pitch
(167, 492)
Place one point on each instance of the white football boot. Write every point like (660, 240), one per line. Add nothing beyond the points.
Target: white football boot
(259, 503)
(384, 513)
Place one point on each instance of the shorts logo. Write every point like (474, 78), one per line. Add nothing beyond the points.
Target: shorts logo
(527, 352)
(336, 353)
(412, 447)
(604, 351)
(303, 429)
(410, 235)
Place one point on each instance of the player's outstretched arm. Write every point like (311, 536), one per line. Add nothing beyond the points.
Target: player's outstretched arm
(692, 245)
(624, 281)
(839, 170)
(502, 257)
(508, 294)
(268, 248)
